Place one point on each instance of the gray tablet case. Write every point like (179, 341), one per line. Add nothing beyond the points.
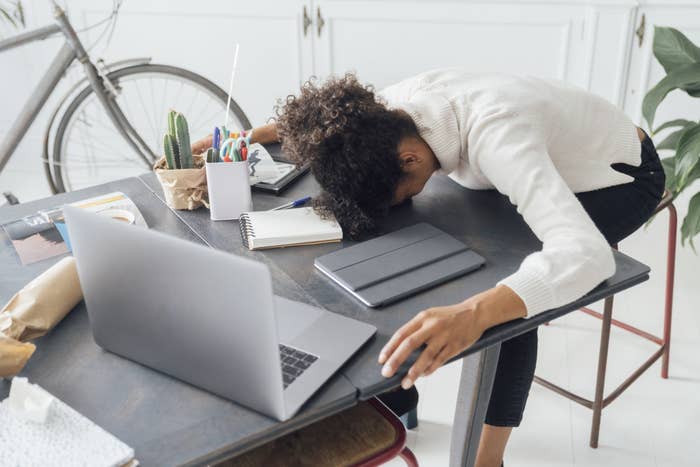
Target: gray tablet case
(401, 263)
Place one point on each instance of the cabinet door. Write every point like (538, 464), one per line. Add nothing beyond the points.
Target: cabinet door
(645, 71)
(274, 57)
(385, 41)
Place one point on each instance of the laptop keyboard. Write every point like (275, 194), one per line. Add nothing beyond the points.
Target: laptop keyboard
(294, 363)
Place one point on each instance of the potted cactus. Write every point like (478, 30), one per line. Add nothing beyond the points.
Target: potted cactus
(181, 173)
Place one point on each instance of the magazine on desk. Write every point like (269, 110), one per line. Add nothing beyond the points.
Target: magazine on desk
(43, 235)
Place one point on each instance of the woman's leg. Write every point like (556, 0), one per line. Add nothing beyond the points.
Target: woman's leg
(511, 386)
(492, 445)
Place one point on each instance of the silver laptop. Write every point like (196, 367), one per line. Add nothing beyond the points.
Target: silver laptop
(205, 316)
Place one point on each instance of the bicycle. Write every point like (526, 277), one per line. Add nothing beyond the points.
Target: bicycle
(109, 101)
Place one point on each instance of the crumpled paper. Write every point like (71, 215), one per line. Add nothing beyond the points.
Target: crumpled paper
(183, 188)
(35, 310)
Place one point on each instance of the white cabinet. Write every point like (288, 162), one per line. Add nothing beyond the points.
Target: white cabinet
(385, 41)
(275, 52)
(284, 42)
(645, 71)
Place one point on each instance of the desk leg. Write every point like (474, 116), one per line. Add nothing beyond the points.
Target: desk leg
(475, 382)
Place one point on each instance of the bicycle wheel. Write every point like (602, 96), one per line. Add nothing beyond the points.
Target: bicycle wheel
(88, 149)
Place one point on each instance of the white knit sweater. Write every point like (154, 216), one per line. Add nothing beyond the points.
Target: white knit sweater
(538, 142)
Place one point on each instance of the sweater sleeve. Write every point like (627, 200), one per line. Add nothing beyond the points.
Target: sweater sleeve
(575, 257)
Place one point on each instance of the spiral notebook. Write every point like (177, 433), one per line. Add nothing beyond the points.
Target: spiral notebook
(289, 227)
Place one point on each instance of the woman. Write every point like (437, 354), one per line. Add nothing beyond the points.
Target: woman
(581, 174)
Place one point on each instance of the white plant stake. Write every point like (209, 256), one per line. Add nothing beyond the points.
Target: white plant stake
(230, 86)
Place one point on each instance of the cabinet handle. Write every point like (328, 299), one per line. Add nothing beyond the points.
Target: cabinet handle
(320, 22)
(307, 21)
(639, 32)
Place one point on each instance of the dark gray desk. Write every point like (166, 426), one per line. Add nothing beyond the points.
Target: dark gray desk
(486, 221)
(169, 422)
(166, 421)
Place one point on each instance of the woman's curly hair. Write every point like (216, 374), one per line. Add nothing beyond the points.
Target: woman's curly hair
(350, 138)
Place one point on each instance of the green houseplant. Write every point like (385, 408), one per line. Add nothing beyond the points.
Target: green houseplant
(680, 59)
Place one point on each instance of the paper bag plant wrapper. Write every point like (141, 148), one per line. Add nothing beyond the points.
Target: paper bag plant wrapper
(35, 310)
(183, 188)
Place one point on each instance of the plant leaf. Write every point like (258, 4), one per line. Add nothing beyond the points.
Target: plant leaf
(691, 224)
(680, 78)
(669, 165)
(673, 49)
(692, 176)
(671, 141)
(687, 154)
(672, 123)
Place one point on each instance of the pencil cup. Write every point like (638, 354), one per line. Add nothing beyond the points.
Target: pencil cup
(229, 190)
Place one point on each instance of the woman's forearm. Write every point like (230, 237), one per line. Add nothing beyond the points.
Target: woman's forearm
(266, 134)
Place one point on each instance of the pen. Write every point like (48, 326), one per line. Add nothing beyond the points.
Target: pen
(293, 204)
(216, 139)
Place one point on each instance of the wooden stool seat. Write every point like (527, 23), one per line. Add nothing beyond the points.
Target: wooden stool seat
(362, 435)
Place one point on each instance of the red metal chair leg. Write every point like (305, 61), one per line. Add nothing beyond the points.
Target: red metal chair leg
(408, 457)
(670, 276)
(663, 353)
(600, 377)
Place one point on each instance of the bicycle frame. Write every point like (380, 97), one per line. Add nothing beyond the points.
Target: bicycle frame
(71, 50)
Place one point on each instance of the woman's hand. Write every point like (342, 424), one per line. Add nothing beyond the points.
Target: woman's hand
(265, 134)
(200, 146)
(447, 331)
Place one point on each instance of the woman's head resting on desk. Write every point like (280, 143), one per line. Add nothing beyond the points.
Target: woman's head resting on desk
(365, 156)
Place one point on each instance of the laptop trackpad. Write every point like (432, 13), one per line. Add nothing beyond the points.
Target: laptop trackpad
(293, 318)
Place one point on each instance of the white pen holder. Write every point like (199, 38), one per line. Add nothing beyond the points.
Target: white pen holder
(229, 190)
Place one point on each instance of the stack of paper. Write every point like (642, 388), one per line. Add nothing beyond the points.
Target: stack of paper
(61, 436)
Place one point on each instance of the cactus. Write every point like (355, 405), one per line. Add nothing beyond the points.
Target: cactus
(183, 141)
(212, 155)
(169, 151)
(176, 143)
(171, 122)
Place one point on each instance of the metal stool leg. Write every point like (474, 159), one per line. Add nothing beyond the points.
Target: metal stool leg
(600, 377)
(670, 276)
(409, 458)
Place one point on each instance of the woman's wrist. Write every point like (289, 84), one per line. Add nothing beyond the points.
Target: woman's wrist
(496, 306)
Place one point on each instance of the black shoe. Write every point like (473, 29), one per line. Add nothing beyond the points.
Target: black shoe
(403, 403)
(400, 401)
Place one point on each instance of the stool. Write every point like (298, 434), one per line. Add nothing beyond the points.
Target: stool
(600, 402)
(366, 435)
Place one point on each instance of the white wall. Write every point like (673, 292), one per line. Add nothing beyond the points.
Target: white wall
(146, 29)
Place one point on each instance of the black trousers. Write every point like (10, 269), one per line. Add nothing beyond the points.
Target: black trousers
(617, 211)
